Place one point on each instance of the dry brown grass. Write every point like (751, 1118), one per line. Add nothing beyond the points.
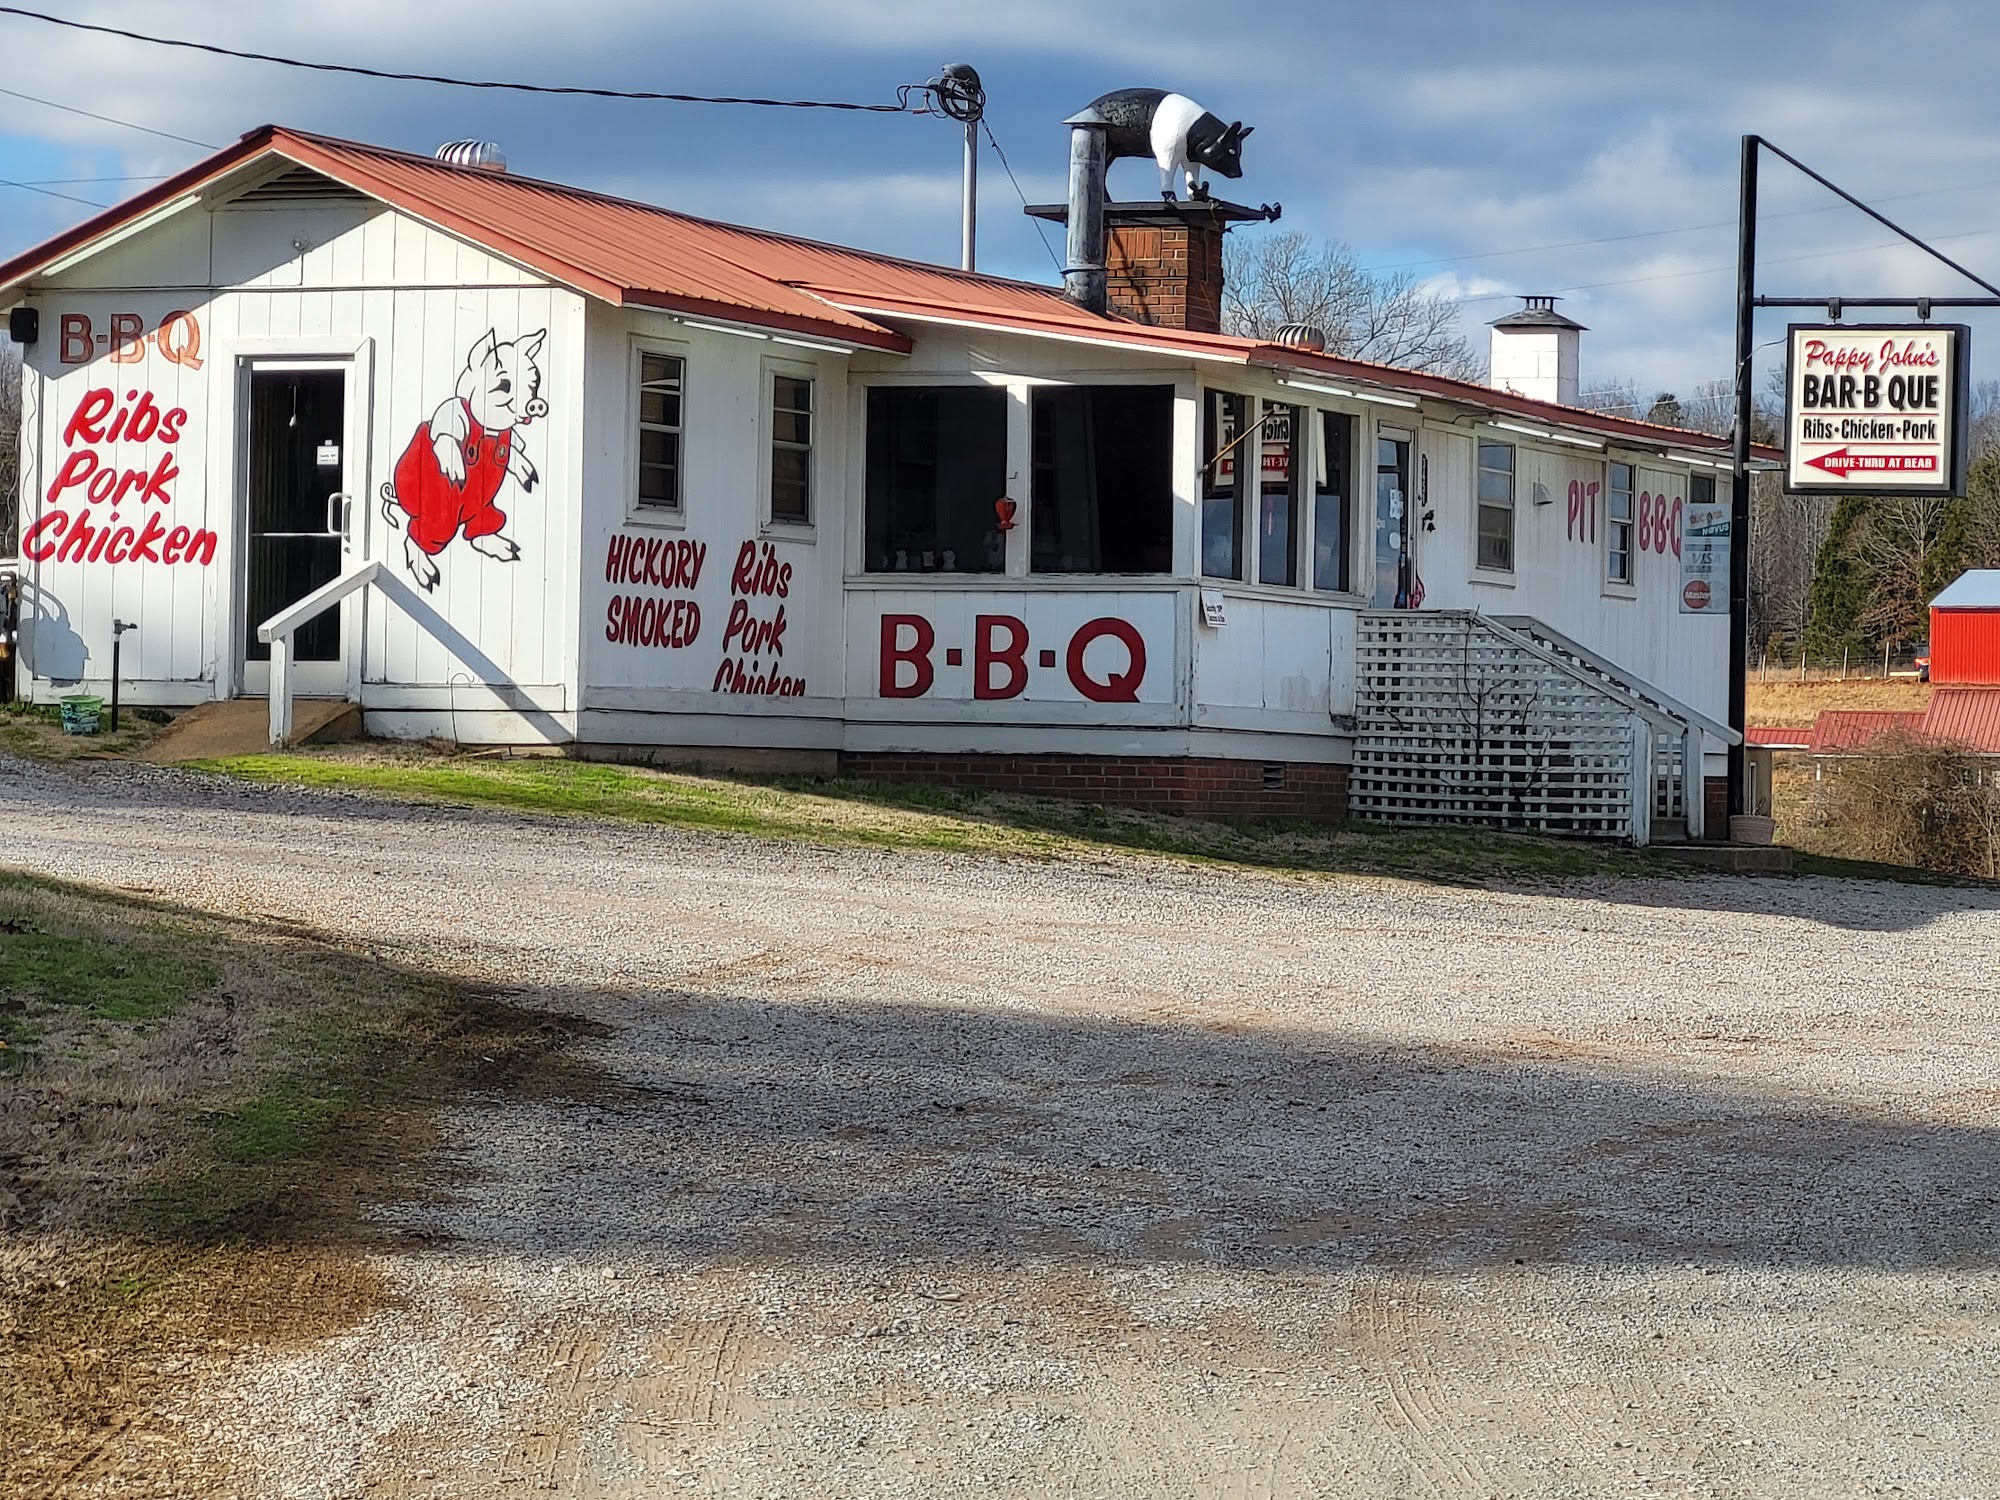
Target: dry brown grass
(1799, 703)
(194, 1113)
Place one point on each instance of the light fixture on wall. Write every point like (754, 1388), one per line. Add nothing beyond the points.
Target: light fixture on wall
(1341, 390)
(1548, 436)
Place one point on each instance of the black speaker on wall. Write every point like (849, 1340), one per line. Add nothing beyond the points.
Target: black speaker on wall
(24, 325)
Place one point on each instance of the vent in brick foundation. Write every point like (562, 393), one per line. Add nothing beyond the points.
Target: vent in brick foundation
(1274, 777)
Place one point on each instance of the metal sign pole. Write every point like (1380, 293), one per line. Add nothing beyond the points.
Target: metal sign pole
(969, 230)
(1739, 497)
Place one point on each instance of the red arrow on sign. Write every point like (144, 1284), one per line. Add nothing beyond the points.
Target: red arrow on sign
(1840, 461)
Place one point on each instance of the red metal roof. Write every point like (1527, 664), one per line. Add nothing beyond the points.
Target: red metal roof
(1848, 731)
(1779, 737)
(633, 253)
(1968, 716)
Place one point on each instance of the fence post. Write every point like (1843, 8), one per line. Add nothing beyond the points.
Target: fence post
(1843, 663)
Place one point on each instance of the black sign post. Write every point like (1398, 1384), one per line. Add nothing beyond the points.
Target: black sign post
(1747, 303)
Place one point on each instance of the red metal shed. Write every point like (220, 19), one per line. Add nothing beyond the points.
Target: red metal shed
(1965, 630)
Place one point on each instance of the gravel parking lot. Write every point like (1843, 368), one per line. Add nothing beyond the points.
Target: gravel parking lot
(917, 1175)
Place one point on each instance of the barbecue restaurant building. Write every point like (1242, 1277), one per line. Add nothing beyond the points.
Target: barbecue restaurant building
(511, 463)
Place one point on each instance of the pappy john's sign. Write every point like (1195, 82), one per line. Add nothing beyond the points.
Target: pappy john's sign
(1877, 410)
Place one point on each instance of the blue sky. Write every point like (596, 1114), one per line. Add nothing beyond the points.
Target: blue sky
(1496, 148)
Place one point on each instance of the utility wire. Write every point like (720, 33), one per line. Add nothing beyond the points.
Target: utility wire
(1041, 230)
(110, 119)
(29, 187)
(901, 106)
(1588, 286)
(1649, 234)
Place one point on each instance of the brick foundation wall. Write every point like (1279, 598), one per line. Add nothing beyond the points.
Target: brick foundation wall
(1169, 276)
(1715, 807)
(1204, 788)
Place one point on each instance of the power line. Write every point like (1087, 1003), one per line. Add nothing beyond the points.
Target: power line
(29, 187)
(110, 119)
(74, 181)
(901, 106)
(1650, 234)
(1589, 286)
(1040, 231)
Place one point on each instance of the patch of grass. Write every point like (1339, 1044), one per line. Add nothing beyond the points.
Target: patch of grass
(850, 812)
(35, 729)
(48, 964)
(1798, 703)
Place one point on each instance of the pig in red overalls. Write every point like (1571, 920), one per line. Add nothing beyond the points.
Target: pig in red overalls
(439, 509)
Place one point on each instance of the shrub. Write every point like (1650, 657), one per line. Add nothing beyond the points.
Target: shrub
(1921, 802)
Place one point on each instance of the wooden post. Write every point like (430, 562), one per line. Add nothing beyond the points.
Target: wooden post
(281, 690)
(1642, 783)
(1694, 786)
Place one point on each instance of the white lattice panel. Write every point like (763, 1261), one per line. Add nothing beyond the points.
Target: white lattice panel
(1460, 722)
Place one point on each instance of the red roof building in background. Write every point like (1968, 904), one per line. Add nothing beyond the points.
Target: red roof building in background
(1965, 631)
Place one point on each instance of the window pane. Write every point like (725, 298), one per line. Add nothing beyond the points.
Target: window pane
(1278, 496)
(791, 427)
(937, 462)
(660, 408)
(792, 392)
(1497, 456)
(791, 484)
(658, 447)
(1224, 416)
(1495, 486)
(1333, 527)
(1496, 537)
(657, 486)
(1103, 486)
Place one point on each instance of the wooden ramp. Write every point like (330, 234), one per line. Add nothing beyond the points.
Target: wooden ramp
(242, 726)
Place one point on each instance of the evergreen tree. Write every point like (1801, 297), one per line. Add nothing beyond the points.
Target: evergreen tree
(1840, 591)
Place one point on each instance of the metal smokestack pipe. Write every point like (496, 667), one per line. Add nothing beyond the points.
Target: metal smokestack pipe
(1085, 281)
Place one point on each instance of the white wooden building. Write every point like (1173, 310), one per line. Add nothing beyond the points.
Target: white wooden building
(507, 462)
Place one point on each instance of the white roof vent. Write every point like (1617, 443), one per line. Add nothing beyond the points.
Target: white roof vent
(481, 156)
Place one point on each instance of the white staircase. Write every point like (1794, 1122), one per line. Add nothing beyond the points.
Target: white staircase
(1504, 723)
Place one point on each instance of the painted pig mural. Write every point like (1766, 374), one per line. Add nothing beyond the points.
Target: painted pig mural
(450, 474)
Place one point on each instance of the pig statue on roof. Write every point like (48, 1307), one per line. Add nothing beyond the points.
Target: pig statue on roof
(1172, 129)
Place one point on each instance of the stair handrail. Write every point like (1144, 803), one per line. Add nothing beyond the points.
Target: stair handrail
(277, 633)
(1530, 625)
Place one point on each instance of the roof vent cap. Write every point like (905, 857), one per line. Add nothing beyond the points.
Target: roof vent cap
(1308, 336)
(481, 156)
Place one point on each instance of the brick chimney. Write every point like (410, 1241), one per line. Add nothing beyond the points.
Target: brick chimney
(1163, 260)
(1169, 275)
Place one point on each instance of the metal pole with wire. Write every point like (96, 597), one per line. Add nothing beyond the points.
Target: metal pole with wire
(959, 95)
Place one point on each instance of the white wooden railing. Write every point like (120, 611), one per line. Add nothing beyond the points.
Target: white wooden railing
(1464, 718)
(277, 632)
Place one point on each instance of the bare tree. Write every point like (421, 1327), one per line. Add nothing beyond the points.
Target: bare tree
(1615, 398)
(1290, 278)
(10, 447)
(1896, 551)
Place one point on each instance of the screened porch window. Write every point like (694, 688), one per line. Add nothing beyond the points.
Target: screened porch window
(1103, 479)
(1333, 505)
(1225, 417)
(937, 462)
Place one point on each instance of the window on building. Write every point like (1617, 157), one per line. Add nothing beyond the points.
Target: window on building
(1618, 528)
(1496, 506)
(1103, 490)
(1280, 494)
(791, 448)
(660, 388)
(1333, 504)
(1225, 418)
(937, 462)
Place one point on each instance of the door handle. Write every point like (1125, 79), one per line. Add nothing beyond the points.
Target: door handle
(336, 514)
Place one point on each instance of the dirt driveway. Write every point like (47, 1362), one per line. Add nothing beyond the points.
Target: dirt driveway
(932, 1176)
